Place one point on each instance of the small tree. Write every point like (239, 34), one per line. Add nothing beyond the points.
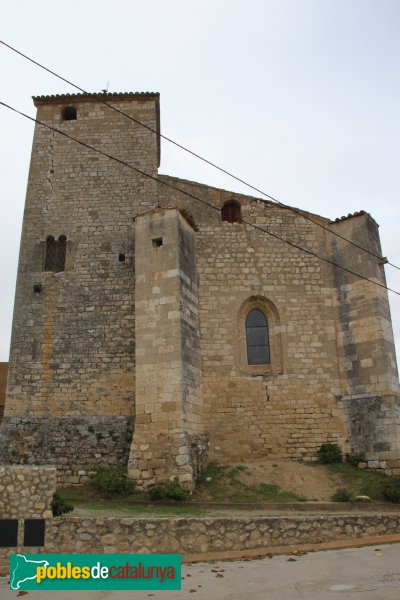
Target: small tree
(60, 506)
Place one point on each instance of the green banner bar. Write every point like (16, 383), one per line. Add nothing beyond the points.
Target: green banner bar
(95, 571)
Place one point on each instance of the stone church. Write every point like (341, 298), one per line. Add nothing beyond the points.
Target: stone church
(155, 327)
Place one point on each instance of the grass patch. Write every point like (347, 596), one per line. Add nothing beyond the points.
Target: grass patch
(360, 482)
(227, 484)
(224, 485)
(135, 509)
(87, 492)
(264, 492)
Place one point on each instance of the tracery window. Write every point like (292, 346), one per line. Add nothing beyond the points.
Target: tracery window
(231, 212)
(257, 338)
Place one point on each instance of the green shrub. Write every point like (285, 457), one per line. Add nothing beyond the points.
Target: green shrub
(355, 458)
(60, 506)
(341, 495)
(329, 453)
(168, 491)
(174, 491)
(391, 490)
(112, 482)
(157, 493)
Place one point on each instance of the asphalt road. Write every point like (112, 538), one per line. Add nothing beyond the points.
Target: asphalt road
(370, 573)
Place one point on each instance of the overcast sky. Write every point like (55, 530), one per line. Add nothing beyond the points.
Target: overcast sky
(299, 97)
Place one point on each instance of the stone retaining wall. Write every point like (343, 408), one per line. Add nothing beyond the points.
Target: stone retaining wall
(203, 535)
(26, 492)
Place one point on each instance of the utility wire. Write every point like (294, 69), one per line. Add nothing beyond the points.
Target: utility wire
(169, 185)
(205, 160)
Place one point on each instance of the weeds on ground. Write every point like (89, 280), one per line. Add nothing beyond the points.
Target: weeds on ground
(112, 482)
(220, 483)
(361, 482)
(171, 490)
(135, 509)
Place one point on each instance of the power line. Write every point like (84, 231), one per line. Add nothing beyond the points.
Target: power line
(169, 185)
(205, 160)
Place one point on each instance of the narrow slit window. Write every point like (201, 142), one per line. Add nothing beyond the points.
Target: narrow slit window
(61, 253)
(257, 338)
(50, 255)
(231, 212)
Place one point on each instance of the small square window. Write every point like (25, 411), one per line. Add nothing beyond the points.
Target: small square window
(68, 113)
(157, 242)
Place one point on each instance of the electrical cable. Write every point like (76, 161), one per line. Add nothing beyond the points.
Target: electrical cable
(205, 160)
(254, 226)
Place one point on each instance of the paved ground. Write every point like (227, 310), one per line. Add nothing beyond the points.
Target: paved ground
(370, 573)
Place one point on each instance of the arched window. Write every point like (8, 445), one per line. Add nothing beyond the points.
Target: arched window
(55, 253)
(257, 338)
(61, 253)
(68, 113)
(231, 212)
(50, 253)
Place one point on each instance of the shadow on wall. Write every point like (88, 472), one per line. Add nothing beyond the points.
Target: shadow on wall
(3, 385)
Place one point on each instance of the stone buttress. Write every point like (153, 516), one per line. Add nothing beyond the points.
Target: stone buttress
(370, 397)
(168, 441)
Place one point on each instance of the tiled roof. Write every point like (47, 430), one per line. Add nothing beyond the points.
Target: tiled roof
(349, 216)
(102, 95)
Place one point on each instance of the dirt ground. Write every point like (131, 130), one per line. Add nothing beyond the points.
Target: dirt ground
(312, 482)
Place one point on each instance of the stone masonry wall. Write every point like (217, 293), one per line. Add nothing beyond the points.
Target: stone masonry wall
(288, 408)
(367, 359)
(76, 445)
(26, 492)
(168, 364)
(330, 332)
(72, 361)
(374, 423)
(208, 536)
(196, 536)
(365, 335)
